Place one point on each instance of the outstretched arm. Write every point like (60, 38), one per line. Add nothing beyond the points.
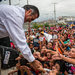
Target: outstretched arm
(25, 69)
(69, 60)
(12, 72)
(60, 56)
(52, 52)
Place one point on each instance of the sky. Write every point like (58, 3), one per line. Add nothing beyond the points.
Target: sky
(46, 7)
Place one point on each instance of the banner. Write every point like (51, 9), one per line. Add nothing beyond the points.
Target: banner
(48, 37)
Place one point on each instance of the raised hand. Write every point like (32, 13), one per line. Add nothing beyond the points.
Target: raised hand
(36, 65)
(18, 58)
(56, 57)
(53, 72)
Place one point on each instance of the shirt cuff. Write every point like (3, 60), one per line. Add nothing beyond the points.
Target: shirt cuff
(29, 57)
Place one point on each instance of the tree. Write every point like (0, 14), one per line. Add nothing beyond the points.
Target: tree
(46, 25)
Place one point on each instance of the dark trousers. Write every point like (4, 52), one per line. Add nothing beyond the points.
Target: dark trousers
(4, 42)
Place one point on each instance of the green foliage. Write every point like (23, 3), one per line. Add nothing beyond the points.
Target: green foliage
(35, 25)
(46, 25)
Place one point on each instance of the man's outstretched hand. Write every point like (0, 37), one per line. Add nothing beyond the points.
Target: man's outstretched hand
(36, 65)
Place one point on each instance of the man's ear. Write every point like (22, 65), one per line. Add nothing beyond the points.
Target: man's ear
(29, 12)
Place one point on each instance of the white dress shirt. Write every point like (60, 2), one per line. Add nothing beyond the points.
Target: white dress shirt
(11, 24)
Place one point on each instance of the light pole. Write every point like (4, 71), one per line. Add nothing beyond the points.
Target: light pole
(9, 2)
(27, 2)
(54, 12)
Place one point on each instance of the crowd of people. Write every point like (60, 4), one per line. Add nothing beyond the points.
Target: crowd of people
(56, 57)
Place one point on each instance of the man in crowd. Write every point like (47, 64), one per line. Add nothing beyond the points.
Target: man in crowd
(11, 24)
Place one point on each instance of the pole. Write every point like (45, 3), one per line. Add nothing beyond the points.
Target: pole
(9, 2)
(27, 2)
(54, 12)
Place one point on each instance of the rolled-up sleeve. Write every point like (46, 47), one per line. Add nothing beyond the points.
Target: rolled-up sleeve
(14, 27)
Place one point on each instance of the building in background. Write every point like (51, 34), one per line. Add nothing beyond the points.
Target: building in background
(66, 19)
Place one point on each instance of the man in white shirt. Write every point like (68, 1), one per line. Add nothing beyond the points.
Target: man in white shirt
(11, 24)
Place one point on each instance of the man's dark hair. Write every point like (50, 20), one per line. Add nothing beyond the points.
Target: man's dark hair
(33, 8)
